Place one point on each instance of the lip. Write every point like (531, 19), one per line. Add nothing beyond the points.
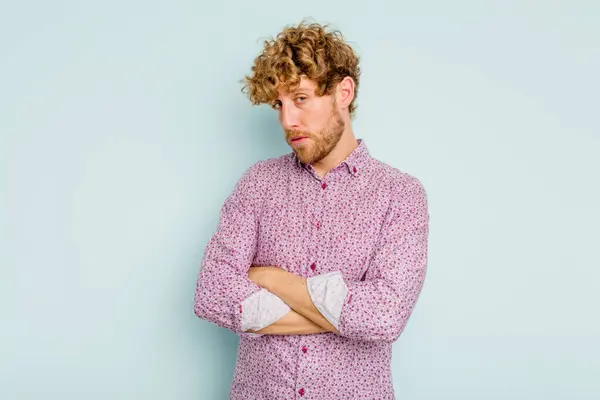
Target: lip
(298, 140)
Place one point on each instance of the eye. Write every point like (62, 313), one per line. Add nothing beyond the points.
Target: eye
(276, 105)
(301, 99)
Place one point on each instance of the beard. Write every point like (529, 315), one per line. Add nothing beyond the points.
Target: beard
(322, 143)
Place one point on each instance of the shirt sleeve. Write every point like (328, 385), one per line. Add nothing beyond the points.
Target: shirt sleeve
(378, 307)
(328, 292)
(262, 309)
(223, 284)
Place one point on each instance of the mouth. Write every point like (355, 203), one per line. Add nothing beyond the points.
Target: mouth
(297, 138)
(298, 141)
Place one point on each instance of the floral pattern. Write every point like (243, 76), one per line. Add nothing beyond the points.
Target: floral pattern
(365, 222)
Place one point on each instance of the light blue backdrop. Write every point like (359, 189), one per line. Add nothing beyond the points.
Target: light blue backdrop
(123, 129)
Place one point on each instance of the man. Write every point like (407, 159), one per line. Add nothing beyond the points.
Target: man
(320, 254)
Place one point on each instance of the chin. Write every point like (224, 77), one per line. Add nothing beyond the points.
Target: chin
(304, 155)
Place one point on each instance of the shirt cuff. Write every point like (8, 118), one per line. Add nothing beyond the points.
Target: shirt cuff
(328, 293)
(262, 309)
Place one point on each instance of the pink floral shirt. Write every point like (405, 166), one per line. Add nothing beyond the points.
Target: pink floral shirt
(359, 235)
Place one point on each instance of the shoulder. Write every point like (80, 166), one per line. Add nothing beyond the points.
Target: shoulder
(262, 169)
(258, 176)
(400, 183)
(405, 193)
(269, 165)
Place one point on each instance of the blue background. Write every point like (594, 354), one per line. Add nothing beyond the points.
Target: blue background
(123, 129)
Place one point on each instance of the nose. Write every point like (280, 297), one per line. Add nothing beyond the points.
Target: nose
(288, 116)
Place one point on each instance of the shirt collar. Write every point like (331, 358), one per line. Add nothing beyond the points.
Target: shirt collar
(355, 161)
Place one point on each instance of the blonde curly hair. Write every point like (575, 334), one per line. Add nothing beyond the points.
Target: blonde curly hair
(303, 50)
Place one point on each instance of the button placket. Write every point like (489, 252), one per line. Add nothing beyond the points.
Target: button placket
(316, 218)
(303, 368)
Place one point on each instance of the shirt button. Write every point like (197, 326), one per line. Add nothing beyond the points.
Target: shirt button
(324, 185)
(313, 266)
(318, 224)
(354, 169)
(304, 349)
(301, 391)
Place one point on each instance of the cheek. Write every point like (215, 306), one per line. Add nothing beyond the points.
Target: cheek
(323, 122)
(315, 120)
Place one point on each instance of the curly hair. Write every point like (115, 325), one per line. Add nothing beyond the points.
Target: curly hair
(302, 50)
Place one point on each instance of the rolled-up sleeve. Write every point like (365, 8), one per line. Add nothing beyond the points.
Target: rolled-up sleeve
(261, 310)
(378, 307)
(328, 292)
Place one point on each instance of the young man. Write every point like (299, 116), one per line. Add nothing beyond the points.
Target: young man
(320, 254)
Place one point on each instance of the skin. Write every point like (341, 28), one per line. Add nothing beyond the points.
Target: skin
(325, 123)
(325, 120)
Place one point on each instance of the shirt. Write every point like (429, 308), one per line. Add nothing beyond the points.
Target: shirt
(358, 235)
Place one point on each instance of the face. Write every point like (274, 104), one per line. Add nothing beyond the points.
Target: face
(312, 124)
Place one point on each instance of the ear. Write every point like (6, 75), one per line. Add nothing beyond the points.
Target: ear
(345, 92)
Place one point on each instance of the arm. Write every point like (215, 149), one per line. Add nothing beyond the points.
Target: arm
(223, 283)
(292, 289)
(291, 324)
(378, 308)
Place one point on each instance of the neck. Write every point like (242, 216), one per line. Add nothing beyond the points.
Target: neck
(343, 149)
